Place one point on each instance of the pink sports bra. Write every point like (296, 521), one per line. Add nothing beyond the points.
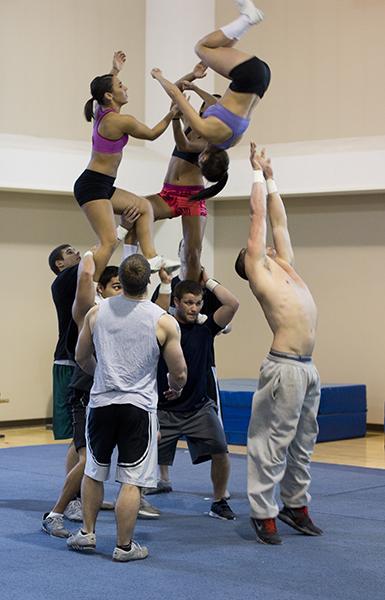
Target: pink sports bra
(102, 144)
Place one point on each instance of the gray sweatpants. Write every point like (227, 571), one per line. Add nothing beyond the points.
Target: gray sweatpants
(282, 432)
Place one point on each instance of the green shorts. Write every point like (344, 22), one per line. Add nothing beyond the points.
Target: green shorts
(61, 418)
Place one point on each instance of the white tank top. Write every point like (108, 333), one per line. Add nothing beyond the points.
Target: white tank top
(127, 353)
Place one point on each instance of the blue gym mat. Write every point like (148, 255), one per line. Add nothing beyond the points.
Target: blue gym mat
(192, 555)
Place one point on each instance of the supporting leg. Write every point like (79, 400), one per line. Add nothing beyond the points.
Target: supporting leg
(92, 498)
(220, 473)
(126, 512)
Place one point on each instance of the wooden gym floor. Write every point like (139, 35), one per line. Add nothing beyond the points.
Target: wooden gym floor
(359, 452)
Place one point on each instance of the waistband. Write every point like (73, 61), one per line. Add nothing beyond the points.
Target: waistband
(96, 175)
(182, 189)
(298, 357)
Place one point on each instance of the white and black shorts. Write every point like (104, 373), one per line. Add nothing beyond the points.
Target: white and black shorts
(134, 432)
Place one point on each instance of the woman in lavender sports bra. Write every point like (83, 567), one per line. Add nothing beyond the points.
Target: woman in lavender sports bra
(94, 189)
(223, 124)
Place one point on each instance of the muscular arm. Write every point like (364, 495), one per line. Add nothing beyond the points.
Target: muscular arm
(168, 334)
(84, 352)
(278, 222)
(230, 304)
(85, 289)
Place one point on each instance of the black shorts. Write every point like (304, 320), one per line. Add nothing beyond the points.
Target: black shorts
(78, 399)
(250, 77)
(92, 185)
(202, 429)
(134, 431)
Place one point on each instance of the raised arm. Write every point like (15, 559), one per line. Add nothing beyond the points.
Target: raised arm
(85, 289)
(182, 142)
(84, 352)
(230, 304)
(168, 334)
(164, 293)
(276, 212)
(256, 243)
(118, 61)
(206, 128)
(198, 72)
(207, 98)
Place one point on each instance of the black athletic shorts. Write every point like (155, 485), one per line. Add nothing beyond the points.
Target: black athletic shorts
(250, 77)
(92, 185)
(78, 399)
(202, 429)
(134, 431)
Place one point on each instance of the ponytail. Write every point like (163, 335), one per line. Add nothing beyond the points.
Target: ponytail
(99, 86)
(213, 190)
(89, 110)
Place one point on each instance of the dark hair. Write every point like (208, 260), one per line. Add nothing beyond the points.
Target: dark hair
(98, 87)
(188, 286)
(240, 264)
(108, 273)
(214, 168)
(134, 274)
(57, 254)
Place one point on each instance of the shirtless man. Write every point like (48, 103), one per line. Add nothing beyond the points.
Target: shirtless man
(283, 425)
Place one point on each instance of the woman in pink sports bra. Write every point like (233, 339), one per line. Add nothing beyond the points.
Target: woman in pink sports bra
(94, 189)
(223, 124)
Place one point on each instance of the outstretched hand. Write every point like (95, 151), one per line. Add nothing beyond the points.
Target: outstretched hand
(164, 276)
(156, 73)
(200, 70)
(118, 60)
(259, 160)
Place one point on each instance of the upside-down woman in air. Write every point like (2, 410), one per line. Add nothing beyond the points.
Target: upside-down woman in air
(223, 124)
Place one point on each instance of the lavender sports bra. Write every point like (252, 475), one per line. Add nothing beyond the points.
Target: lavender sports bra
(238, 125)
(102, 144)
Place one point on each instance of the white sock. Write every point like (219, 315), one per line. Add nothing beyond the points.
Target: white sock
(236, 29)
(129, 249)
(54, 514)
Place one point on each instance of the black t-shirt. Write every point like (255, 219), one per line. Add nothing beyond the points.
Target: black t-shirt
(63, 294)
(197, 344)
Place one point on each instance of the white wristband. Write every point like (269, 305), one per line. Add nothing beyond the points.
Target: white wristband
(165, 288)
(88, 253)
(258, 176)
(211, 284)
(121, 232)
(271, 186)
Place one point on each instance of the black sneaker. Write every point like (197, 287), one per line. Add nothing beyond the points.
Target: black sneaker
(221, 510)
(299, 519)
(266, 530)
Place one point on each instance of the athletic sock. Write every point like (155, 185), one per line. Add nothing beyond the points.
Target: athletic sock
(126, 548)
(236, 29)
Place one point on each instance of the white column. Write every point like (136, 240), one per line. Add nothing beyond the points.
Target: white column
(172, 29)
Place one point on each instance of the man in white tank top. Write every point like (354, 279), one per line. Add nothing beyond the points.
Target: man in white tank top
(125, 333)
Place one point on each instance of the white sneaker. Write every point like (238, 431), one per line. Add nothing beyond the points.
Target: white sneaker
(201, 319)
(137, 552)
(73, 511)
(55, 526)
(247, 8)
(159, 262)
(85, 542)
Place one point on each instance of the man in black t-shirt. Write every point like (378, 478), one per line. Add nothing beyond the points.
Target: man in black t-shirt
(192, 413)
(63, 261)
